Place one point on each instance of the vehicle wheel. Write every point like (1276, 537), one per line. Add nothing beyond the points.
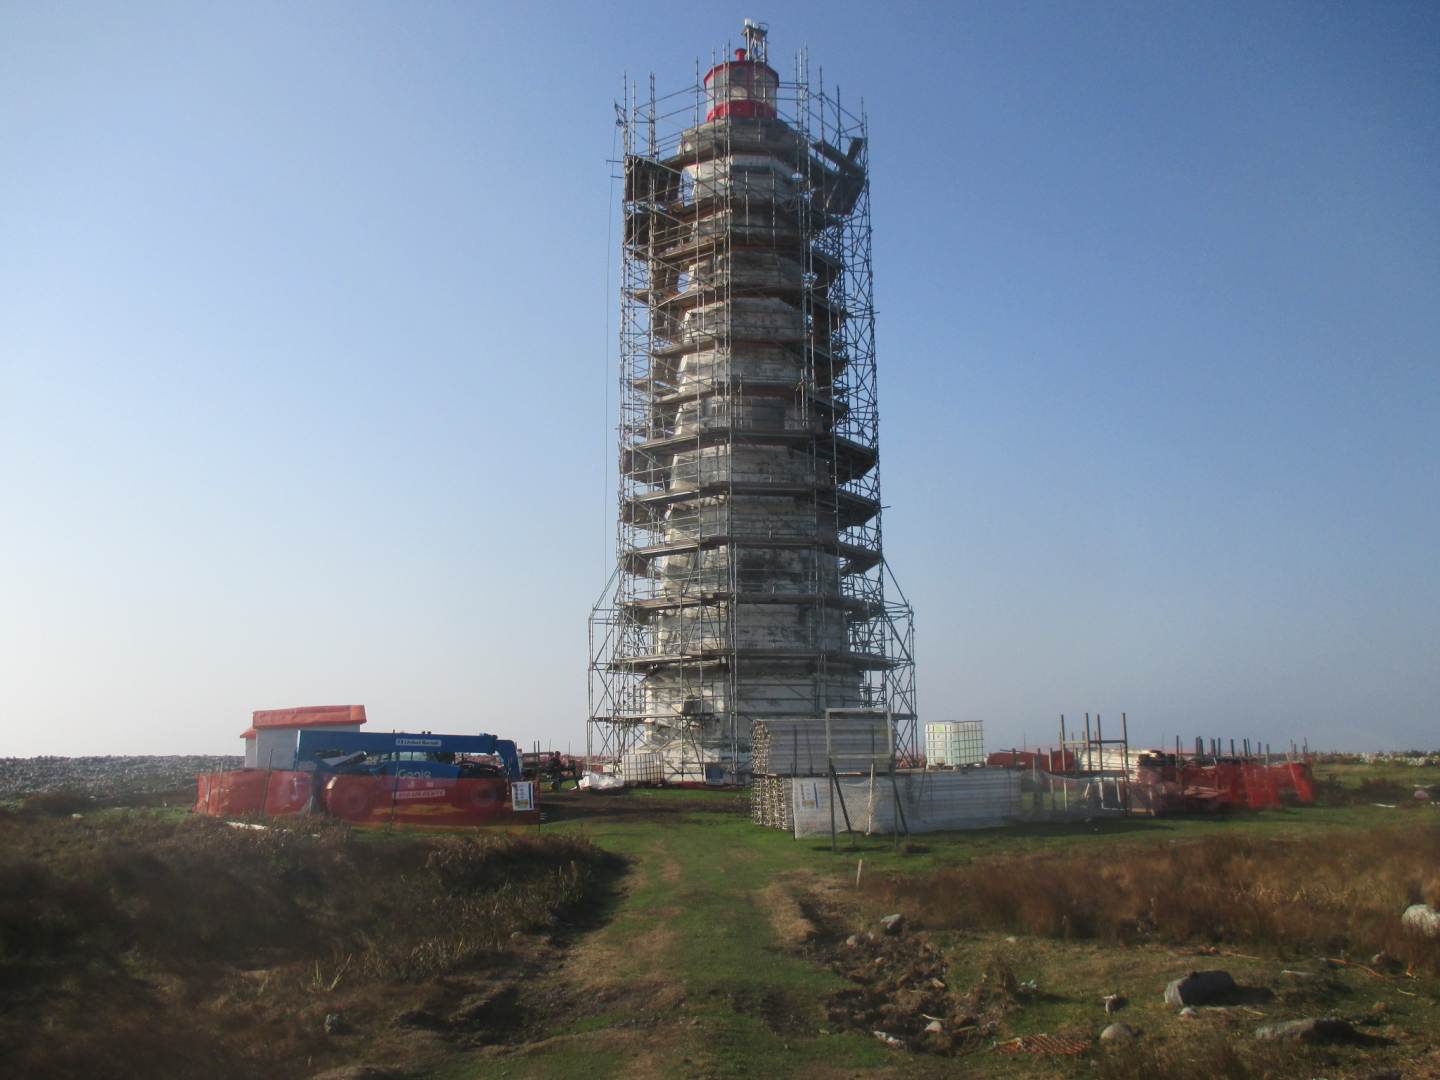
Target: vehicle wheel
(349, 801)
(482, 795)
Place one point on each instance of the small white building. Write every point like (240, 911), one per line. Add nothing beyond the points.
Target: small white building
(272, 735)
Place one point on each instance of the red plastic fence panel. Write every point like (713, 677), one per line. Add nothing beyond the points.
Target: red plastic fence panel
(1295, 776)
(364, 800)
(1199, 776)
(355, 798)
(1234, 783)
(1260, 787)
(252, 791)
(420, 800)
(238, 791)
(1230, 781)
(287, 792)
(1011, 759)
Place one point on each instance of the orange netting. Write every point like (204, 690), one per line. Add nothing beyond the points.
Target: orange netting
(364, 800)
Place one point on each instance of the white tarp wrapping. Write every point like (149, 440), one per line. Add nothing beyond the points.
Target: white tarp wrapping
(594, 781)
(931, 801)
(796, 746)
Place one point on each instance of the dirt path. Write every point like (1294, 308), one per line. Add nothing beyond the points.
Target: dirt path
(699, 971)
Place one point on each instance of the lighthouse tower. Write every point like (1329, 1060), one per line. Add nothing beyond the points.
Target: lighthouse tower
(750, 576)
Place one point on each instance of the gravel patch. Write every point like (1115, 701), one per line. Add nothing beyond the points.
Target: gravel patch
(105, 777)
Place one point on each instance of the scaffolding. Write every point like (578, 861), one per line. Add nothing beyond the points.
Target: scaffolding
(1100, 761)
(750, 579)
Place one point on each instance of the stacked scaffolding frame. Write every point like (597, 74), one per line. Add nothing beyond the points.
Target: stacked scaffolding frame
(750, 576)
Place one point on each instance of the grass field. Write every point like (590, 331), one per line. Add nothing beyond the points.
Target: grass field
(703, 947)
(719, 950)
(1382, 781)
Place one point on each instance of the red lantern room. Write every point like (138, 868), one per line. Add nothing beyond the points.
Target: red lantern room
(741, 88)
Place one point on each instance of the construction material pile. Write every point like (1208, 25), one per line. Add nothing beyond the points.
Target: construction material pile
(785, 748)
(798, 747)
(1154, 782)
(810, 771)
(910, 801)
(770, 802)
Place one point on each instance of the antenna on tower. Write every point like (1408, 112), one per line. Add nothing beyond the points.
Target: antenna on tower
(755, 34)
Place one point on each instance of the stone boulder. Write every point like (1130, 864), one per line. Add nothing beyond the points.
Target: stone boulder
(1422, 919)
(1322, 1029)
(1199, 988)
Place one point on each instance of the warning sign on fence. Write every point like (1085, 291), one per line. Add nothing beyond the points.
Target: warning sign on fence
(522, 796)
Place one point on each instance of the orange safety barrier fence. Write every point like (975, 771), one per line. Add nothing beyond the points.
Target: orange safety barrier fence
(1261, 790)
(1294, 778)
(362, 799)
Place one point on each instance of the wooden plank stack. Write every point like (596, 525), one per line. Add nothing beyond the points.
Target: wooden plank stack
(770, 802)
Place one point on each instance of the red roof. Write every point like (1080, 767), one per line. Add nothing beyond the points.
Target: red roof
(303, 717)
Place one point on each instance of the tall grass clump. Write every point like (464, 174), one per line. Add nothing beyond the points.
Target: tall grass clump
(1204, 1056)
(1338, 893)
(114, 923)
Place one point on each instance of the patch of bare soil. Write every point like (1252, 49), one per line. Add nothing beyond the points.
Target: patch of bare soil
(578, 805)
(793, 927)
(511, 1006)
(625, 974)
(578, 974)
(898, 980)
(629, 977)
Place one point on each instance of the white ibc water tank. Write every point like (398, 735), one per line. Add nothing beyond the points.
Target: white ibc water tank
(955, 742)
(641, 767)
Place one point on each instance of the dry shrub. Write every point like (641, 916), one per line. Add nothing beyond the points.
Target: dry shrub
(56, 803)
(1341, 892)
(186, 905)
(465, 864)
(1430, 894)
(174, 889)
(996, 990)
(43, 916)
(1330, 791)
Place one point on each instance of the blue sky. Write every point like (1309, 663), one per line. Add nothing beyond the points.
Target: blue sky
(306, 359)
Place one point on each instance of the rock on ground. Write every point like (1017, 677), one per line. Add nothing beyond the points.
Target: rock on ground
(1117, 1033)
(1199, 987)
(1423, 919)
(1316, 1030)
